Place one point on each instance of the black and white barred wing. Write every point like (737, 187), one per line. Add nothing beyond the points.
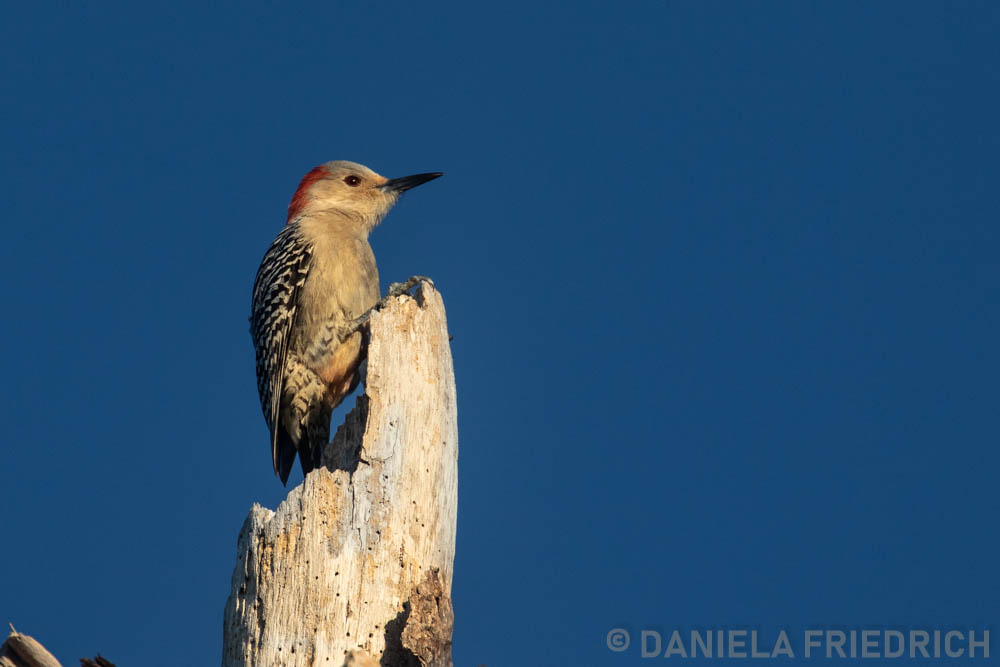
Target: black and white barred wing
(276, 289)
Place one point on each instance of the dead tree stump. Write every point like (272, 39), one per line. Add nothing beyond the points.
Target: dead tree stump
(355, 566)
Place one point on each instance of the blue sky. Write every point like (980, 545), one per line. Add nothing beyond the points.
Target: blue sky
(722, 278)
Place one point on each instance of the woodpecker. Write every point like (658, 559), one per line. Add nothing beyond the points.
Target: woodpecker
(314, 284)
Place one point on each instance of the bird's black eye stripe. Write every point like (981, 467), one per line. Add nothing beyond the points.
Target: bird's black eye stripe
(352, 180)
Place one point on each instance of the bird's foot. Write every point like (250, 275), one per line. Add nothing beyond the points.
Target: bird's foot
(398, 289)
(395, 289)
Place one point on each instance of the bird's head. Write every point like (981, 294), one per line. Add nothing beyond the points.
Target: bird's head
(351, 190)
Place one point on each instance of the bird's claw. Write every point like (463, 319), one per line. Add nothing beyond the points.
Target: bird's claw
(398, 289)
(395, 289)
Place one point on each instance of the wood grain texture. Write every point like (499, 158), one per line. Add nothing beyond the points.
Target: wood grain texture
(20, 650)
(355, 566)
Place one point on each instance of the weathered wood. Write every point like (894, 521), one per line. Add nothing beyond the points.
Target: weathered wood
(97, 661)
(355, 566)
(20, 650)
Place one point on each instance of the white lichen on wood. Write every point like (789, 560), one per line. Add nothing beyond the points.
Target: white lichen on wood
(356, 563)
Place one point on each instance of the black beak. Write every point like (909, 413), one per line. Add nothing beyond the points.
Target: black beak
(405, 183)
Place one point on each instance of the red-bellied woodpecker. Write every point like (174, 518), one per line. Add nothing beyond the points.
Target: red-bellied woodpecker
(314, 284)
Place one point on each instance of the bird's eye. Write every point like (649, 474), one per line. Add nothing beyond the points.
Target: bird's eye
(353, 181)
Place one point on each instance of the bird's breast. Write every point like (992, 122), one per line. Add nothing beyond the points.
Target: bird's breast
(342, 285)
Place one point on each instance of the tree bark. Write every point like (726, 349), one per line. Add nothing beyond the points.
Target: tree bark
(355, 566)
